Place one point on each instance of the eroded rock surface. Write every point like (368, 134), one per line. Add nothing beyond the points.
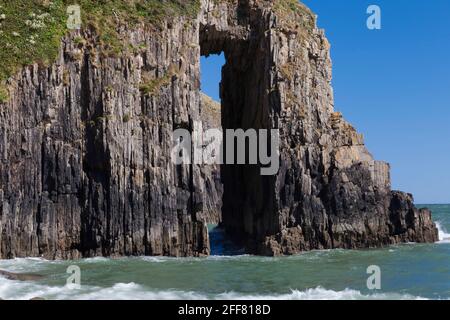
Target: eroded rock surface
(213, 192)
(85, 145)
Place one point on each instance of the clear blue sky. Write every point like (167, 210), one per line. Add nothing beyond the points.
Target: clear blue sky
(392, 84)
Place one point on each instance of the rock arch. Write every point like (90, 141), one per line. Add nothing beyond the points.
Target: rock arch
(85, 145)
(329, 192)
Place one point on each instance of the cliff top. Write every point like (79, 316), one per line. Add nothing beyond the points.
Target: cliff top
(31, 30)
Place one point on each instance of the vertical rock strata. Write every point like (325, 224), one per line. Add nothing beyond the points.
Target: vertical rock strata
(212, 201)
(85, 150)
(85, 145)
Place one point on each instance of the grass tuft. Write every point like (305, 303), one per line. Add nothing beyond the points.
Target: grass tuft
(295, 14)
(4, 96)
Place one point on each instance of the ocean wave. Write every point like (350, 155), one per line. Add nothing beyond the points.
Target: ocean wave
(17, 290)
(161, 259)
(320, 293)
(27, 265)
(97, 259)
(444, 236)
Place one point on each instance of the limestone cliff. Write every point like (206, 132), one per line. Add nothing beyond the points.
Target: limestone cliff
(85, 142)
(211, 212)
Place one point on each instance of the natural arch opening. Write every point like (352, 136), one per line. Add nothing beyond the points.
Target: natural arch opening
(248, 197)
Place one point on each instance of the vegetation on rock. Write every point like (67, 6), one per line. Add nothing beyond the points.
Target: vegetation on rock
(3, 94)
(295, 15)
(31, 30)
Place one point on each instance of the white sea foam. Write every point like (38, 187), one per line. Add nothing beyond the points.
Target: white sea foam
(444, 236)
(11, 289)
(28, 265)
(319, 293)
(96, 259)
(160, 259)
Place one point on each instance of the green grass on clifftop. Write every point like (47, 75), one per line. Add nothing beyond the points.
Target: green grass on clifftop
(295, 14)
(31, 30)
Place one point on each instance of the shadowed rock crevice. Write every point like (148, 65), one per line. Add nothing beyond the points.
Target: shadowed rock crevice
(248, 198)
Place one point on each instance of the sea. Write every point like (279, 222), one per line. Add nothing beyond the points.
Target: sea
(407, 271)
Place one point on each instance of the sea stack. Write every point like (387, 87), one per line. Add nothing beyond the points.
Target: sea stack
(85, 142)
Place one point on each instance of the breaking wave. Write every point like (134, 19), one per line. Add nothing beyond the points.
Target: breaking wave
(444, 236)
(11, 289)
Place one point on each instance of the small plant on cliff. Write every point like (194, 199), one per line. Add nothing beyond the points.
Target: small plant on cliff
(126, 118)
(3, 95)
(152, 86)
(295, 15)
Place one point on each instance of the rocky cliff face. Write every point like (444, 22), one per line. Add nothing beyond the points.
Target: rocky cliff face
(85, 145)
(211, 212)
(85, 149)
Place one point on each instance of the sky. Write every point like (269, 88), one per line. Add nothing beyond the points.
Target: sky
(392, 84)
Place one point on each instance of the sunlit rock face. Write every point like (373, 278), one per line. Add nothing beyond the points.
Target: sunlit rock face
(85, 146)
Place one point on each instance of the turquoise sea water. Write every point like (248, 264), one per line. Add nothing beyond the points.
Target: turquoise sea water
(409, 271)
